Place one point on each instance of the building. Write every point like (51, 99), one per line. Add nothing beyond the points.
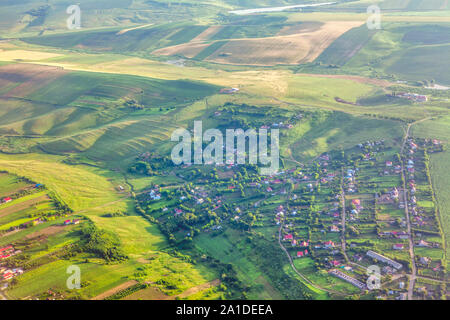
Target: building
(384, 259)
(329, 244)
(6, 200)
(349, 279)
(229, 90)
(334, 228)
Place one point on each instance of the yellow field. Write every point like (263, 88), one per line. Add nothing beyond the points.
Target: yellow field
(189, 50)
(207, 34)
(302, 47)
(14, 55)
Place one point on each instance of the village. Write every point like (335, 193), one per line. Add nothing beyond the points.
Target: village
(334, 219)
(344, 213)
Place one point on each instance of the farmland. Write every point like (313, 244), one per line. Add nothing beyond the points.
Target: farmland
(86, 118)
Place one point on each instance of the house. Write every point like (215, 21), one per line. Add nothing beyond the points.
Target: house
(304, 244)
(398, 246)
(6, 200)
(329, 244)
(334, 228)
(423, 244)
(425, 260)
(301, 254)
(229, 90)
(289, 237)
(335, 263)
(67, 222)
(76, 221)
(389, 163)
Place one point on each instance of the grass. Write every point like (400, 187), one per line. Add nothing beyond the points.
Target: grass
(346, 46)
(10, 183)
(92, 194)
(338, 131)
(80, 187)
(438, 129)
(223, 249)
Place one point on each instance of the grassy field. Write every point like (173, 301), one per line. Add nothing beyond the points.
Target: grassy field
(91, 195)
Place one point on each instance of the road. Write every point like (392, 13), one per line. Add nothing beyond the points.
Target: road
(413, 275)
(344, 217)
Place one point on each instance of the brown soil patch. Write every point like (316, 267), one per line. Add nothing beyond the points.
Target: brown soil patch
(30, 76)
(207, 34)
(188, 50)
(302, 47)
(202, 287)
(292, 48)
(149, 293)
(112, 291)
(50, 231)
(307, 26)
(22, 205)
(152, 293)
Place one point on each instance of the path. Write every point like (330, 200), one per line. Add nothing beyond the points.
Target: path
(344, 214)
(291, 262)
(413, 275)
(115, 290)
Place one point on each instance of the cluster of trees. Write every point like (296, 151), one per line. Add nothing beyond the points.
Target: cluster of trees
(150, 165)
(102, 243)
